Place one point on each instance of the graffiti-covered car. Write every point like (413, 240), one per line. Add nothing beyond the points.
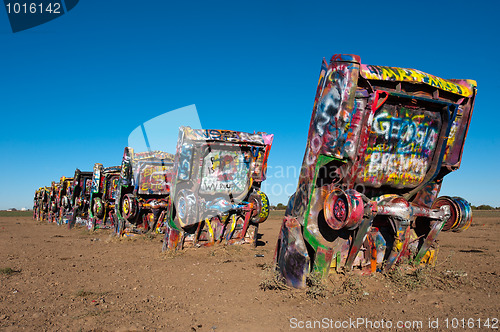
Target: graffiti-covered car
(80, 197)
(43, 204)
(216, 187)
(143, 190)
(102, 196)
(381, 140)
(37, 203)
(53, 202)
(64, 198)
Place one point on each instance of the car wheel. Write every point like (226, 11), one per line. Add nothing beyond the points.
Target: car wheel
(260, 203)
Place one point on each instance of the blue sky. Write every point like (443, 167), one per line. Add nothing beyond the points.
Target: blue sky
(73, 89)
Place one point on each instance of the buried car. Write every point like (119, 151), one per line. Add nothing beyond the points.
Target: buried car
(380, 142)
(102, 196)
(63, 198)
(39, 203)
(80, 197)
(36, 203)
(142, 193)
(42, 212)
(216, 188)
(53, 202)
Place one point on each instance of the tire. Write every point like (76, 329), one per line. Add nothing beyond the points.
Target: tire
(260, 211)
(129, 208)
(343, 209)
(460, 213)
(185, 206)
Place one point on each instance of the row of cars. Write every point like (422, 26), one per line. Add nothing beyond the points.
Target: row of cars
(381, 140)
(208, 192)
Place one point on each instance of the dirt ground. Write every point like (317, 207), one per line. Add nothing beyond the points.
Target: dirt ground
(52, 278)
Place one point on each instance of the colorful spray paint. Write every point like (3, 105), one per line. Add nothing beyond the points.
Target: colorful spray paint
(79, 198)
(64, 198)
(381, 140)
(143, 191)
(216, 184)
(102, 197)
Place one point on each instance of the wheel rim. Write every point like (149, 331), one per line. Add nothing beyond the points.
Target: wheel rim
(340, 209)
(126, 206)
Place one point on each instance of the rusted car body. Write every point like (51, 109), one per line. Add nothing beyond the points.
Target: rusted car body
(63, 198)
(43, 204)
(80, 197)
(381, 140)
(37, 203)
(53, 203)
(216, 188)
(102, 196)
(143, 190)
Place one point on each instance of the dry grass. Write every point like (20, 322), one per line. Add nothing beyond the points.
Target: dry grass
(150, 236)
(272, 280)
(8, 271)
(316, 287)
(351, 289)
(88, 293)
(405, 278)
(83, 293)
(172, 253)
(226, 253)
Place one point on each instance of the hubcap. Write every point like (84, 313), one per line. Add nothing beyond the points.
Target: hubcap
(340, 210)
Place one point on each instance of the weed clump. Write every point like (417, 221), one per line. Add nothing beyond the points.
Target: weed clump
(169, 254)
(351, 290)
(315, 286)
(409, 279)
(272, 280)
(7, 271)
(425, 277)
(84, 293)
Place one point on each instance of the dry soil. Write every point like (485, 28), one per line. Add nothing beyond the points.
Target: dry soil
(52, 278)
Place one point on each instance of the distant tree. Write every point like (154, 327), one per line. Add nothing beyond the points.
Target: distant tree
(484, 207)
(280, 207)
(13, 209)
